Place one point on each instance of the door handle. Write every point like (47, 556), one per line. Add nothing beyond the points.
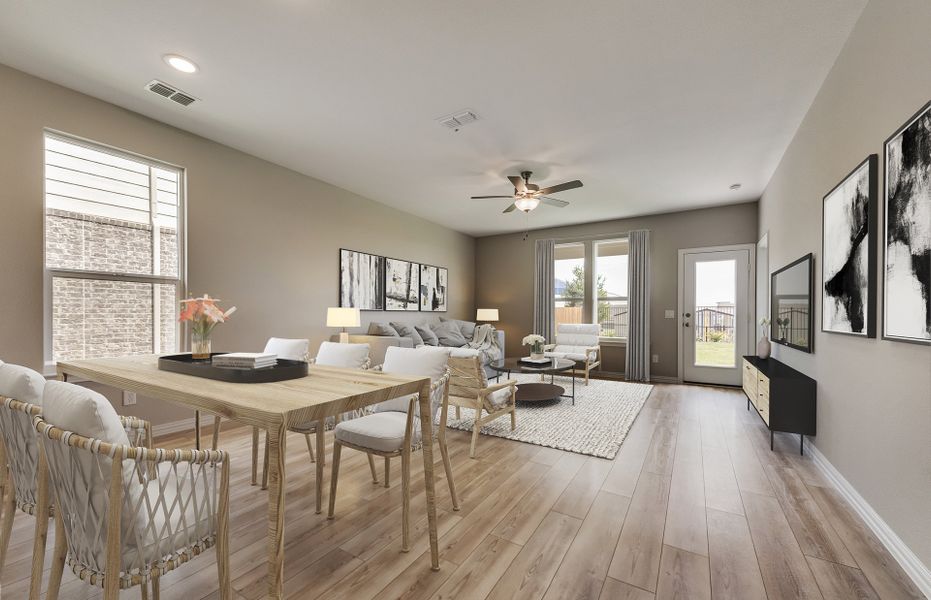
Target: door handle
(686, 324)
(687, 315)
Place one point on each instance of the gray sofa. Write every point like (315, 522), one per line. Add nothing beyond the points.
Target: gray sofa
(379, 344)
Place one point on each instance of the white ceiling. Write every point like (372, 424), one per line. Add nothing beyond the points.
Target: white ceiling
(655, 105)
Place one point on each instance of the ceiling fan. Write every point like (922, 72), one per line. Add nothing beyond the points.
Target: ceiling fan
(527, 196)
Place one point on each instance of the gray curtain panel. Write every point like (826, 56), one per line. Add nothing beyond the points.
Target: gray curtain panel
(638, 298)
(544, 289)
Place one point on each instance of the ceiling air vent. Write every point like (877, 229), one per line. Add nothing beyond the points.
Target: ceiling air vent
(166, 91)
(457, 120)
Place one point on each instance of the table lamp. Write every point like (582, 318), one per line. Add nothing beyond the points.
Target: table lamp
(343, 318)
(489, 315)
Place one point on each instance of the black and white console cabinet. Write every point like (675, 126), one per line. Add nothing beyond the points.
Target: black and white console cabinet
(785, 399)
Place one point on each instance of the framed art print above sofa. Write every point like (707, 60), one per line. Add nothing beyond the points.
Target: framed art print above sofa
(361, 280)
(907, 232)
(402, 280)
(433, 288)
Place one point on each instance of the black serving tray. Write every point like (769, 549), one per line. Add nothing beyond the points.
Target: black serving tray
(183, 363)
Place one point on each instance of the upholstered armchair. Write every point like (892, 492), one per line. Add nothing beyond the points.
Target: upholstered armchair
(579, 342)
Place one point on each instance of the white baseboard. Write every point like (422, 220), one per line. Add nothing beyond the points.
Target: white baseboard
(911, 564)
(173, 427)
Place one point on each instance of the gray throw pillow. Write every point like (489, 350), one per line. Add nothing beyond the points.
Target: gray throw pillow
(376, 328)
(408, 331)
(449, 334)
(429, 338)
(466, 327)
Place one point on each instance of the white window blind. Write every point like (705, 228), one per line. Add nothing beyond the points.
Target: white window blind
(113, 251)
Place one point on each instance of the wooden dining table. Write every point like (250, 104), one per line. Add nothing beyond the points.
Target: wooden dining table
(324, 392)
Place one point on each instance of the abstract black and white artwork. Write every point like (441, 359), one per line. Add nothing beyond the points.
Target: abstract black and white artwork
(401, 282)
(848, 265)
(433, 282)
(907, 239)
(361, 280)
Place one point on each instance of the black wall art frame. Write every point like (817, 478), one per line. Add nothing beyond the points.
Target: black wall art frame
(361, 280)
(907, 231)
(434, 288)
(848, 253)
(402, 284)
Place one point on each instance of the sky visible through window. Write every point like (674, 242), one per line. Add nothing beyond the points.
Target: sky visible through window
(714, 282)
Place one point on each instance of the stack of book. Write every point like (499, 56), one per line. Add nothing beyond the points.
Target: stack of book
(245, 360)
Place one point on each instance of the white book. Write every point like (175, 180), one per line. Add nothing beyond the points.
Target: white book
(251, 356)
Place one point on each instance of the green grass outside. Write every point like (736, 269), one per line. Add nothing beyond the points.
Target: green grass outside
(718, 354)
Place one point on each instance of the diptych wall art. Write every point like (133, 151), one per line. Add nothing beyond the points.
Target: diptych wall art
(848, 266)
(361, 280)
(433, 288)
(401, 283)
(907, 231)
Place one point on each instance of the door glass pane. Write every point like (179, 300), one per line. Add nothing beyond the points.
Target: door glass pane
(570, 283)
(715, 313)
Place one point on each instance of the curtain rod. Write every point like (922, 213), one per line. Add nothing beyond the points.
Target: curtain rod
(585, 238)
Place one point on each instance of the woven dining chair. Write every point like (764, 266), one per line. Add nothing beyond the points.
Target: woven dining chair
(28, 487)
(393, 429)
(127, 515)
(469, 388)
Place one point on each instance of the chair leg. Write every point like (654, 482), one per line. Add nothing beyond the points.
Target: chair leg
(513, 418)
(58, 560)
(476, 428)
(310, 447)
(321, 453)
(372, 467)
(587, 370)
(265, 465)
(6, 526)
(387, 470)
(406, 498)
(458, 413)
(38, 553)
(444, 450)
(156, 587)
(255, 455)
(334, 477)
(216, 433)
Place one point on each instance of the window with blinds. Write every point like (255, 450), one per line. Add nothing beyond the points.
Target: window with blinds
(113, 249)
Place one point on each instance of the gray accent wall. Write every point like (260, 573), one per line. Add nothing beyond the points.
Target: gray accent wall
(874, 396)
(504, 270)
(260, 236)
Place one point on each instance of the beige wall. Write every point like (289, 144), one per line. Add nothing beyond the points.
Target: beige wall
(260, 236)
(874, 396)
(504, 270)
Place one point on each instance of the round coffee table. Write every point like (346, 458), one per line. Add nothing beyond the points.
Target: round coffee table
(537, 392)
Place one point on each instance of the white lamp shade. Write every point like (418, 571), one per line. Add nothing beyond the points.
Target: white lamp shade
(343, 317)
(486, 314)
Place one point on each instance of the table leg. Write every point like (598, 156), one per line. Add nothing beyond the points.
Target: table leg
(277, 438)
(426, 427)
(321, 454)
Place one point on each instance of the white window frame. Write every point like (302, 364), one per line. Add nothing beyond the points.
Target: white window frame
(595, 299)
(590, 301)
(180, 281)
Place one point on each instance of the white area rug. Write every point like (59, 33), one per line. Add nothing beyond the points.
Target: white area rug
(597, 424)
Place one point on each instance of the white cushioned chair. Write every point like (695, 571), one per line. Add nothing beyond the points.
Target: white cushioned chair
(393, 429)
(330, 354)
(469, 388)
(126, 515)
(578, 342)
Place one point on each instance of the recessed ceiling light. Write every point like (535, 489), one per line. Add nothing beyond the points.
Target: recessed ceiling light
(735, 186)
(180, 63)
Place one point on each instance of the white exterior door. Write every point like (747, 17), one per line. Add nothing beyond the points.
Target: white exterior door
(715, 315)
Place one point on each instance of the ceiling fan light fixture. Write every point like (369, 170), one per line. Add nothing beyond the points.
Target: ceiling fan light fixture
(527, 204)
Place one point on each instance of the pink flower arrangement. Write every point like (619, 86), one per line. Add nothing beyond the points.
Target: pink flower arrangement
(204, 314)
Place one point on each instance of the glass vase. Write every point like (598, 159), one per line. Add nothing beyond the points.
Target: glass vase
(200, 345)
(536, 351)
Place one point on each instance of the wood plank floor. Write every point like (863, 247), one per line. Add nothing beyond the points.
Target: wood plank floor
(694, 506)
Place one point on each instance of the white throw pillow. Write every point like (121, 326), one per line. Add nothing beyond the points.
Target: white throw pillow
(424, 361)
(83, 411)
(289, 349)
(21, 383)
(332, 354)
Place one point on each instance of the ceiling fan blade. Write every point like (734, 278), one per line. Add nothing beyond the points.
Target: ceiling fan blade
(554, 202)
(518, 183)
(562, 187)
(510, 208)
(487, 197)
